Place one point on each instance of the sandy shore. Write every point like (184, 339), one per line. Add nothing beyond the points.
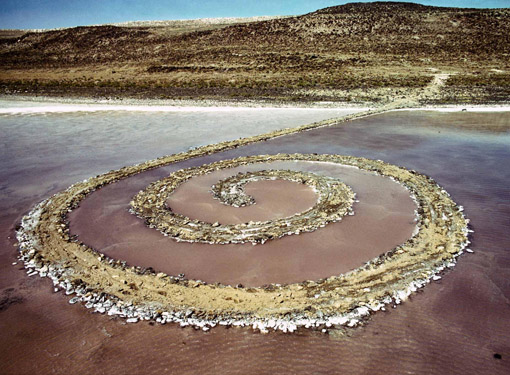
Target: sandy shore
(460, 108)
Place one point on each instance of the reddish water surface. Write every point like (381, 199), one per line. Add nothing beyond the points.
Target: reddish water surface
(457, 325)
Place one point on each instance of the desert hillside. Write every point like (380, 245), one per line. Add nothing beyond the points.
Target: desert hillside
(353, 52)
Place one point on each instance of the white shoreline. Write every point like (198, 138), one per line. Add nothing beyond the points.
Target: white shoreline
(16, 101)
(38, 105)
(69, 108)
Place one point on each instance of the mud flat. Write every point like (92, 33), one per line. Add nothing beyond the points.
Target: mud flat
(429, 325)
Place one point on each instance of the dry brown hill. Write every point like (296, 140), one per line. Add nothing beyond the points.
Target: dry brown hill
(360, 51)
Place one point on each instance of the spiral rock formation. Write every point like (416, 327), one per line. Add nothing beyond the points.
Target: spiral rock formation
(108, 285)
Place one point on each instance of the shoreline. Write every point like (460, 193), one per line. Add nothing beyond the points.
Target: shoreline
(185, 103)
(48, 104)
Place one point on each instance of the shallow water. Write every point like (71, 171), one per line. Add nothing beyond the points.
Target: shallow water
(455, 326)
(68, 147)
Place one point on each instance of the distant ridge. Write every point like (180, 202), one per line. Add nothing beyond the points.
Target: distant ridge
(204, 21)
(180, 24)
(377, 5)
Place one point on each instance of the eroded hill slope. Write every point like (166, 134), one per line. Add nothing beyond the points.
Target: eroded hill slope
(358, 51)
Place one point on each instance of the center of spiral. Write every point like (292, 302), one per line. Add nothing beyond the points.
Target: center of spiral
(334, 201)
(274, 199)
(230, 191)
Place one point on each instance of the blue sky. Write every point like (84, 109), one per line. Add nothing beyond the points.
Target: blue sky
(66, 13)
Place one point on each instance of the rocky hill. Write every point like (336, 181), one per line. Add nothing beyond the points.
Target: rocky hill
(357, 51)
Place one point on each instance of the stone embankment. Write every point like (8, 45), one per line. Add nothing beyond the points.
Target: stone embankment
(108, 285)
